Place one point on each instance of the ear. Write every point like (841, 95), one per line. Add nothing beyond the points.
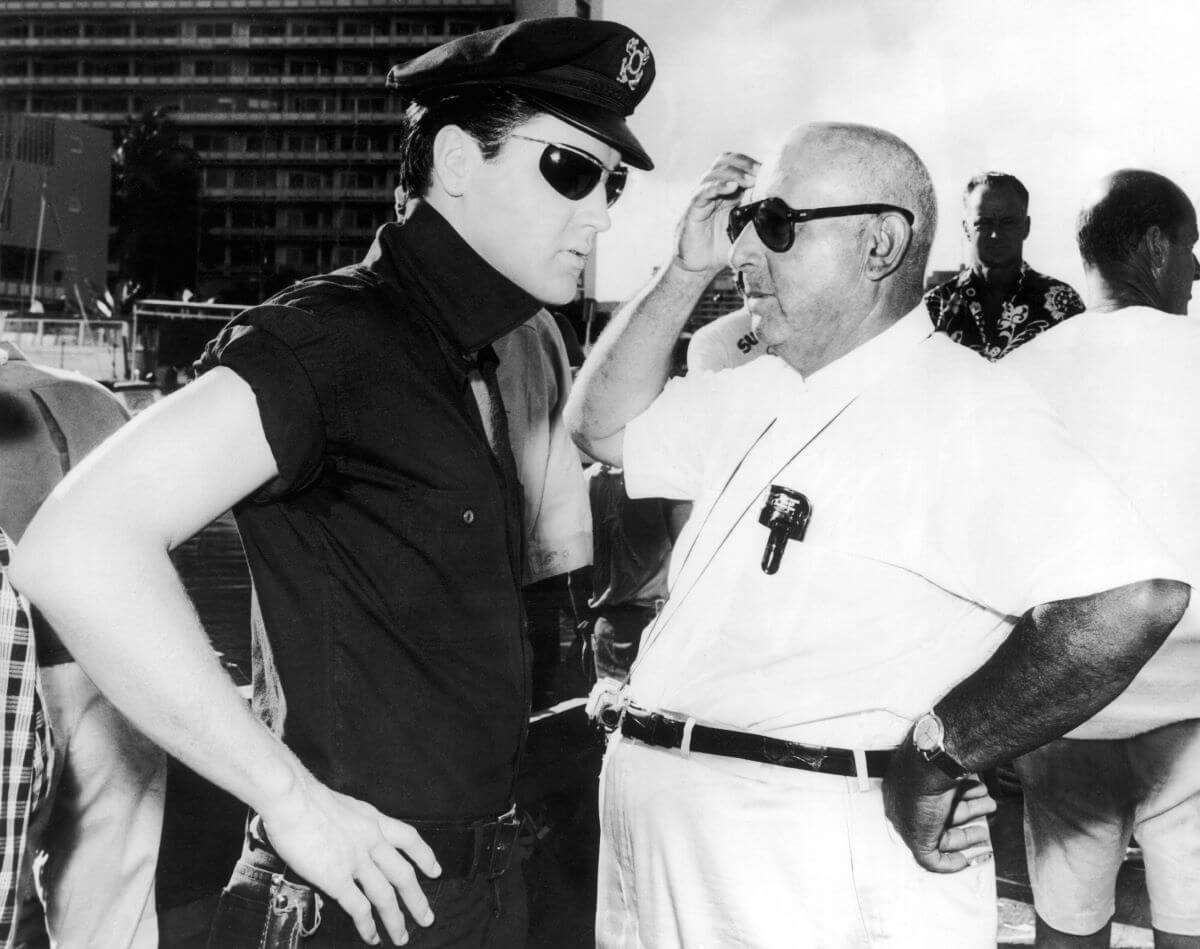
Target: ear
(1154, 243)
(887, 244)
(1025, 233)
(455, 157)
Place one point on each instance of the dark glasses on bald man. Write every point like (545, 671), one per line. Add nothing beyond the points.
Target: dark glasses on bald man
(775, 222)
(574, 173)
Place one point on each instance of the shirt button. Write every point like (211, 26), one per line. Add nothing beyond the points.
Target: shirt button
(468, 516)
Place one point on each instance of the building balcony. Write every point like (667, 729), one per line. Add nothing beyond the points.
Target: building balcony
(184, 8)
(292, 158)
(223, 44)
(366, 83)
(223, 119)
(380, 195)
(284, 234)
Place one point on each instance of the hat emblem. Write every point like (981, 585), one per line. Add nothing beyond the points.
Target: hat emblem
(637, 55)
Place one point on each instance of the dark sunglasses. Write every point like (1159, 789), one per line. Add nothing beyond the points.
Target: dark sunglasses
(774, 220)
(574, 173)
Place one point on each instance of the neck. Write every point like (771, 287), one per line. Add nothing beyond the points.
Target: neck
(999, 276)
(1131, 284)
(815, 352)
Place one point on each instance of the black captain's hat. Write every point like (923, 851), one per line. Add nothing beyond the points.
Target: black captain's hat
(590, 73)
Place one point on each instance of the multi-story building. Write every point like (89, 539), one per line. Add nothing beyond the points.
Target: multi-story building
(283, 99)
(54, 196)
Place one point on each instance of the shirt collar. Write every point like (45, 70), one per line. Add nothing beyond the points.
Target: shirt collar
(860, 367)
(471, 302)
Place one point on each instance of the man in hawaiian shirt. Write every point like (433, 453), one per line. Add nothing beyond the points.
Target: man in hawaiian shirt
(999, 302)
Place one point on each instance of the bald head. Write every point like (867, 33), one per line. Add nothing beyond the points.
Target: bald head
(867, 164)
(1135, 235)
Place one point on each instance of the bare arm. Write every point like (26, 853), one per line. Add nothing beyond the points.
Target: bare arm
(1061, 664)
(95, 560)
(629, 364)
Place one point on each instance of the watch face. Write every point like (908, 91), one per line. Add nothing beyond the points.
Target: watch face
(927, 733)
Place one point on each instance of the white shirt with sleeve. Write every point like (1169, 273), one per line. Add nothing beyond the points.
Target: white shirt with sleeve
(1127, 386)
(725, 343)
(946, 499)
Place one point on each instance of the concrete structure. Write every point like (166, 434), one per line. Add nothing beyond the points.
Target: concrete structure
(283, 99)
(54, 197)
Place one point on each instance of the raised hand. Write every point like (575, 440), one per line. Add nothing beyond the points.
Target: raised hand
(700, 240)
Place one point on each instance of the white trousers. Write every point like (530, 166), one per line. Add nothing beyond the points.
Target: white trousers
(95, 842)
(713, 853)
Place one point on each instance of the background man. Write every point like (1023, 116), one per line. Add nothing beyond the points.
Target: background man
(1123, 378)
(356, 423)
(742, 789)
(96, 839)
(999, 301)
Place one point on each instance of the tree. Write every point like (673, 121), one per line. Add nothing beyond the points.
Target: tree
(156, 205)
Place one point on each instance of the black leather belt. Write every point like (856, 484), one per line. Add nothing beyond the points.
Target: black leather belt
(664, 732)
(464, 849)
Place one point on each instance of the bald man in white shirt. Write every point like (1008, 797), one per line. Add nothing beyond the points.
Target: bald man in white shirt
(898, 572)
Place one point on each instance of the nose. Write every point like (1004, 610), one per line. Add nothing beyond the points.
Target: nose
(746, 249)
(593, 210)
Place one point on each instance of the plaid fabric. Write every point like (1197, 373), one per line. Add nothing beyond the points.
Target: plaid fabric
(26, 750)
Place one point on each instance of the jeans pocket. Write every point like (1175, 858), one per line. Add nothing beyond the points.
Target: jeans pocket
(239, 923)
(274, 917)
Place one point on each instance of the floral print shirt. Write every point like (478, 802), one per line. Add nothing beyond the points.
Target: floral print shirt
(1037, 303)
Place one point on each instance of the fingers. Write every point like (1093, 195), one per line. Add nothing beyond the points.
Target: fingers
(971, 808)
(729, 177)
(401, 879)
(964, 837)
(357, 907)
(403, 837)
(381, 895)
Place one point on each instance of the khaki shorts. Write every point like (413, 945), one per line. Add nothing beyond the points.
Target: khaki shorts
(1083, 801)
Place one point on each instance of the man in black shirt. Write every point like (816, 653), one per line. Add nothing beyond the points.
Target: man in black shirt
(354, 424)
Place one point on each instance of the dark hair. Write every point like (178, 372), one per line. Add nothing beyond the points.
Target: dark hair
(1109, 231)
(998, 179)
(487, 113)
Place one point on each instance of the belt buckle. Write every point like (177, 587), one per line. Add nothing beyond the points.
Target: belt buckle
(792, 755)
(500, 849)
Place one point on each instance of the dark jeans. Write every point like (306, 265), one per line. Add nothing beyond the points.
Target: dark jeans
(263, 909)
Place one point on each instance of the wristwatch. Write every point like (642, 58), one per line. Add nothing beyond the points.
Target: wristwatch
(929, 737)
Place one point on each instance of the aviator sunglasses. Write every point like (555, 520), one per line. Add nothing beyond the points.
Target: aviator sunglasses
(774, 220)
(574, 173)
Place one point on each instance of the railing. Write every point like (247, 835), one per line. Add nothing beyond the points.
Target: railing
(222, 43)
(371, 83)
(185, 7)
(227, 156)
(95, 348)
(382, 194)
(229, 118)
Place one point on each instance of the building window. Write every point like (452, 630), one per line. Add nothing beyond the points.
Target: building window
(304, 67)
(214, 31)
(265, 67)
(153, 29)
(212, 67)
(266, 30)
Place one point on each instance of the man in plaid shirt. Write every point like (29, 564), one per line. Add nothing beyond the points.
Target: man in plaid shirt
(27, 757)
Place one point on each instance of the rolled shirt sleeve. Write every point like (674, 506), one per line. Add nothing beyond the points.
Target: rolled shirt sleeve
(289, 360)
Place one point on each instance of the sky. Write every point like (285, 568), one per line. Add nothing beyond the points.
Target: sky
(1057, 92)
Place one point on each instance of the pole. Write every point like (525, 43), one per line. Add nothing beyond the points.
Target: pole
(37, 247)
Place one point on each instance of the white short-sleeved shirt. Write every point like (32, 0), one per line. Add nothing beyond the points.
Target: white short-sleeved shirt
(1127, 386)
(946, 501)
(535, 380)
(725, 343)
